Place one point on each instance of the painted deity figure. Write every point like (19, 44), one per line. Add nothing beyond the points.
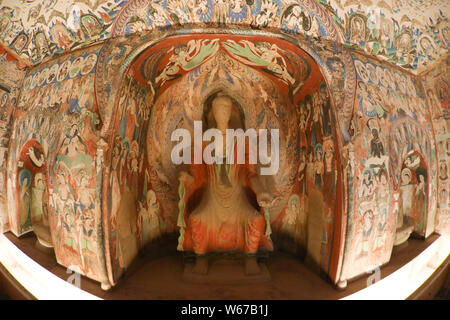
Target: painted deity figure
(357, 30)
(150, 222)
(376, 145)
(293, 18)
(220, 12)
(366, 232)
(421, 198)
(63, 199)
(404, 225)
(406, 192)
(291, 216)
(367, 188)
(266, 14)
(305, 114)
(223, 219)
(383, 209)
(25, 198)
(39, 212)
(73, 144)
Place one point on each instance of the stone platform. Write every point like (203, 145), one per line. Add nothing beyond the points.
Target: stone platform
(225, 272)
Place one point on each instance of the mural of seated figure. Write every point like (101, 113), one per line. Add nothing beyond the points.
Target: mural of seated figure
(223, 218)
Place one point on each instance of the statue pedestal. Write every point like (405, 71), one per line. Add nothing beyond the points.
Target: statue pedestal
(43, 236)
(402, 235)
(225, 272)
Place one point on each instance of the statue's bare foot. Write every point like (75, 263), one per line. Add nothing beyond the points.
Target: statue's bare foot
(251, 266)
(201, 265)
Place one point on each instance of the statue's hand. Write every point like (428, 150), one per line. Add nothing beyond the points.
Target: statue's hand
(185, 177)
(265, 199)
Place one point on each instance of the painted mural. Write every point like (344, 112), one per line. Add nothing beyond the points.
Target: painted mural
(391, 30)
(410, 34)
(364, 144)
(54, 151)
(436, 84)
(10, 84)
(392, 159)
(199, 66)
(40, 30)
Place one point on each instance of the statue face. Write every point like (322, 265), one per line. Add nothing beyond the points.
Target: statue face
(221, 108)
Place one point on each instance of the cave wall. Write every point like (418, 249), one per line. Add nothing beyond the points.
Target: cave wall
(10, 86)
(391, 137)
(436, 85)
(85, 116)
(55, 136)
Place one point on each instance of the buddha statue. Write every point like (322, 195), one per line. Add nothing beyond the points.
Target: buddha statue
(217, 213)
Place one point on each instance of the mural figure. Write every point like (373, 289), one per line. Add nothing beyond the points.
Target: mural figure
(357, 29)
(404, 218)
(367, 219)
(25, 198)
(39, 210)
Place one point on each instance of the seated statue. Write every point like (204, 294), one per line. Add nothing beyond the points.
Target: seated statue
(216, 210)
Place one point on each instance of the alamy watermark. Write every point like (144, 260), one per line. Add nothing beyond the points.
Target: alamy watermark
(235, 147)
(373, 278)
(75, 277)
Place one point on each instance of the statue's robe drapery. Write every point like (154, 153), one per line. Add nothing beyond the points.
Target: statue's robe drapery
(219, 214)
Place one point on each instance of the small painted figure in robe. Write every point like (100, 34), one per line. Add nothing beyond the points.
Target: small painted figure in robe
(150, 224)
(367, 229)
(380, 240)
(291, 216)
(25, 198)
(39, 211)
(318, 167)
(376, 146)
(421, 199)
(406, 194)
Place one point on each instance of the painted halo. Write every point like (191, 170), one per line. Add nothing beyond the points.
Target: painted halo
(371, 72)
(89, 64)
(76, 67)
(43, 76)
(362, 72)
(52, 73)
(63, 70)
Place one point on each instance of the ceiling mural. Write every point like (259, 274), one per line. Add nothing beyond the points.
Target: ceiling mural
(409, 33)
(290, 71)
(41, 29)
(396, 31)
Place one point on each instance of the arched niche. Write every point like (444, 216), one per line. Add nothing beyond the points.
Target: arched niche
(32, 191)
(121, 67)
(33, 141)
(411, 153)
(413, 197)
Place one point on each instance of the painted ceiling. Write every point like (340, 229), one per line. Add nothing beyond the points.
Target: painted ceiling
(291, 69)
(412, 34)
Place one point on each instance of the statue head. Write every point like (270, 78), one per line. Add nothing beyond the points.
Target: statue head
(221, 109)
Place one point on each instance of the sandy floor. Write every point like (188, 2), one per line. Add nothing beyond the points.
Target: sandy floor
(161, 278)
